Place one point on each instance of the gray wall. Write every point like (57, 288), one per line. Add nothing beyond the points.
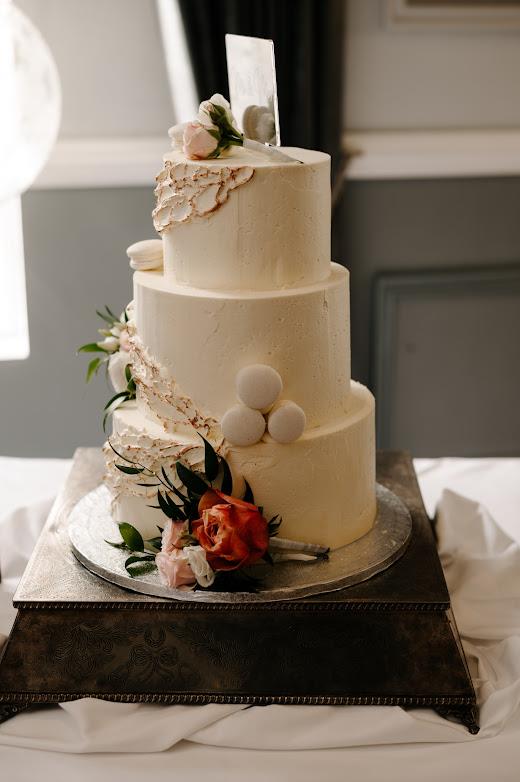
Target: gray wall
(110, 59)
(75, 259)
(401, 225)
(436, 77)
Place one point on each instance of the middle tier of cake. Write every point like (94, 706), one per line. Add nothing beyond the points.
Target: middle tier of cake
(191, 343)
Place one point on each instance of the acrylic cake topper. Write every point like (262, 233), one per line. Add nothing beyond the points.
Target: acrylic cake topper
(252, 82)
(252, 87)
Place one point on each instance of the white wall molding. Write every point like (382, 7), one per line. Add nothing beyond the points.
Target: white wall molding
(433, 154)
(133, 162)
(103, 162)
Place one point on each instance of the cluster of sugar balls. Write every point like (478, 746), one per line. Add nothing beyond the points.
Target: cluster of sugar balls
(258, 389)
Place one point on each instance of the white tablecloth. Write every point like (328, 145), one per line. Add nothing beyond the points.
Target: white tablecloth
(479, 522)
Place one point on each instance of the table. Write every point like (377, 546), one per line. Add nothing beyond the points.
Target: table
(494, 482)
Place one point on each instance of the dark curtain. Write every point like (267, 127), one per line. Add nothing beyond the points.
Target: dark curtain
(308, 37)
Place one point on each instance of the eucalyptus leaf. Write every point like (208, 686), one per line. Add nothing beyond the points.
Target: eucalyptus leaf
(112, 405)
(129, 470)
(117, 396)
(248, 494)
(191, 480)
(227, 478)
(211, 464)
(120, 454)
(106, 318)
(131, 537)
(138, 570)
(117, 545)
(93, 368)
(169, 508)
(172, 486)
(91, 347)
(114, 317)
(166, 477)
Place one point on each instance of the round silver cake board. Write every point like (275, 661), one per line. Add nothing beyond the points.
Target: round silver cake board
(91, 524)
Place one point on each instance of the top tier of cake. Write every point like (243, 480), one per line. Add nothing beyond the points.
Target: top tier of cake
(245, 221)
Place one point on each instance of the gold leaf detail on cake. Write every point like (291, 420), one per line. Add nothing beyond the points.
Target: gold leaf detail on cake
(185, 192)
(175, 410)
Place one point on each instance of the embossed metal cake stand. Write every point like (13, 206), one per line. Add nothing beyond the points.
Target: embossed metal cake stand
(388, 640)
(91, 525)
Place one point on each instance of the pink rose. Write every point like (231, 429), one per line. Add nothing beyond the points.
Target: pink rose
(198, 142)
(171, 535)
(174, 569)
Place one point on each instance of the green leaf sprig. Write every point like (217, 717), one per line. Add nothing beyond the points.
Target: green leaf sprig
(118, 399)
(113, 324)
(112, 321)
(224, 131)
(142, 552)
(180, 504)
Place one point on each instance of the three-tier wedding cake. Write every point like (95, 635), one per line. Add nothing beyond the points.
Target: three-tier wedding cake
(240, 332)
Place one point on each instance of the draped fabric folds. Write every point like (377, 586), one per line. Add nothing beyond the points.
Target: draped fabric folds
(309, 38)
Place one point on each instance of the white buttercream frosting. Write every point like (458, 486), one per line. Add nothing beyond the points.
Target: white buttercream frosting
(202, 339)
(163, 396)
(273, 232)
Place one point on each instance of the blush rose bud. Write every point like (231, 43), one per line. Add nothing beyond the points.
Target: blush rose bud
(198, 143)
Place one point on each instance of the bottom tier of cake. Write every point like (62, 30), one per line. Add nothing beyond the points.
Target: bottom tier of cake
(322, 485)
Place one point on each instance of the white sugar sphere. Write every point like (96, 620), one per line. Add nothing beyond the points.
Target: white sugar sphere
(286, 422)
(147, 254)
(242, 426)
(258, 386)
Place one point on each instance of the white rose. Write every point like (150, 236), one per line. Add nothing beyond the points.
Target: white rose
(116, 370)
(176, 134)
(206, 107)
(110, 344)
(199, 564)
(203, 115)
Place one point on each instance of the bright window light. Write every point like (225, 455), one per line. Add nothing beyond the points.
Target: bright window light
(178, 64)
(30, 101)
(14, 331)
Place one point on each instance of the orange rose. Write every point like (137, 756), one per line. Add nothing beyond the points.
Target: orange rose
(232, 532)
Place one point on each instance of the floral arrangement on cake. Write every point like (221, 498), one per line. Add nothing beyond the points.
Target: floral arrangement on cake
(115, 357)
(214, 132)
(208, 532)
(211, 538)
